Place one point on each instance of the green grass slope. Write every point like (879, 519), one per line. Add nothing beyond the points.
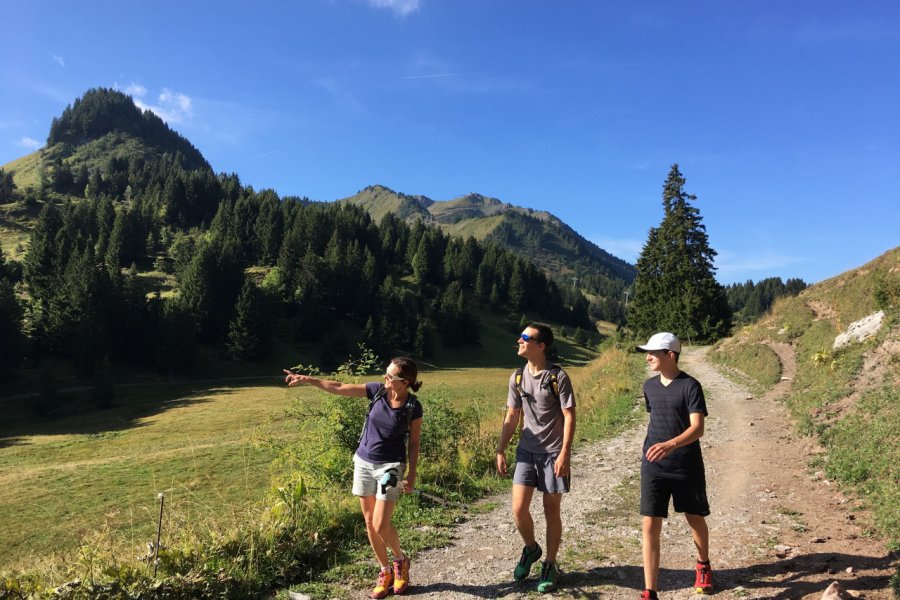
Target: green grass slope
(379, 201)
(25, 169)
(846, 397)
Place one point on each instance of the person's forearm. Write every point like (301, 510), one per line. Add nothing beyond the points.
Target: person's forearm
(413, 461)
(332, 387)
(688, 436)
(568, 430)
(506, 433)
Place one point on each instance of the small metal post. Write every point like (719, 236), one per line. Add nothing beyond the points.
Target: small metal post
(162, 500)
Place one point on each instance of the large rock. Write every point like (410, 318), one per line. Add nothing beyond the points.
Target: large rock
(860, 330)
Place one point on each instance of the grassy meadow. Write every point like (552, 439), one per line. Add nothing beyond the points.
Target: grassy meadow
(91, 480)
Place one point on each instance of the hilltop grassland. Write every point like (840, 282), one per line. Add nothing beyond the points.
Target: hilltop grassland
(256, 495)
(847, 397)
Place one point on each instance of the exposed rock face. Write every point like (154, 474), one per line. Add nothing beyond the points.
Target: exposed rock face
(860, 330)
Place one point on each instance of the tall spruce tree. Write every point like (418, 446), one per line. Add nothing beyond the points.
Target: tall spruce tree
(11, 342)
(675, 288)
(250, 330)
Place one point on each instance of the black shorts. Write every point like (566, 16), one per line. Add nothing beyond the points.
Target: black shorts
(688, 495)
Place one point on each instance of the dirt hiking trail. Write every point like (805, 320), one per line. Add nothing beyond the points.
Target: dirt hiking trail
(777, 530)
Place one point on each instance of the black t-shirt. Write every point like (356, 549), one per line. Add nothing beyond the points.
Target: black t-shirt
(670, 407)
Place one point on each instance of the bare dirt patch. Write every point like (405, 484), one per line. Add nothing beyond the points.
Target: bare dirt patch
(777, 530)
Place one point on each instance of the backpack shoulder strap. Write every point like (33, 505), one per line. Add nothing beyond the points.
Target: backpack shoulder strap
(378, 395)
(518, 381)
(412, 403)
(554, 380)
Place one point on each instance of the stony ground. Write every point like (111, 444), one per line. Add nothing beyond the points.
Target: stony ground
(777, 531)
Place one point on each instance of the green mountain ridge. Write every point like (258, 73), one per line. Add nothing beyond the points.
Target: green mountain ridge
(104, 132)
(542, 237)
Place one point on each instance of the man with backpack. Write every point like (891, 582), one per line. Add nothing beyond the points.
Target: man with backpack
(543, 393)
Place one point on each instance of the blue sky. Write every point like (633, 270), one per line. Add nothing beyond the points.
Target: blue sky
(783, 116)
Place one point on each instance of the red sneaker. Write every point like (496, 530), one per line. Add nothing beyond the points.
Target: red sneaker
(648, 595)
(703, 582)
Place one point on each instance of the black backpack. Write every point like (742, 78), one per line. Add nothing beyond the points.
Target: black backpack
(410, 407)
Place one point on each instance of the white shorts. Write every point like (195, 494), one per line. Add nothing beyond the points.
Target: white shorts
(367, 477)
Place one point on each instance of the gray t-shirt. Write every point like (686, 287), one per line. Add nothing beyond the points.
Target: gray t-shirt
(543, 428)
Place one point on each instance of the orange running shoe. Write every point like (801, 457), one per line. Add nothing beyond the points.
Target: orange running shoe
(401, 575)
(383, 587)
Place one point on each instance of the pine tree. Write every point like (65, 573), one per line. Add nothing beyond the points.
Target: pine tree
(249, 333)
(7, 187)
(517, 291)
(11, 342)
(675, 288)
(423, 345)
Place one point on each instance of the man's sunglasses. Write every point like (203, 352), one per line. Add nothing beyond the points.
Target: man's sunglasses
(528, 338)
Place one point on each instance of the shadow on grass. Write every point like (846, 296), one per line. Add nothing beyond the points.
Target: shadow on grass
(73, 411)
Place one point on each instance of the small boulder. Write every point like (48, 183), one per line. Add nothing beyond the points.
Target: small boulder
(860, 330)
(833, 592)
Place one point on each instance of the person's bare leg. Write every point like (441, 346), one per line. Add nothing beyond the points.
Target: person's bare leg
(652, 527)
(381, 520)
(552, 503)
(521, 507)
(367, 504)
(700, 533)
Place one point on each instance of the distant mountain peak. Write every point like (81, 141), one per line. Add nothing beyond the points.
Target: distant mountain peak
(540, 235)
(103, 112)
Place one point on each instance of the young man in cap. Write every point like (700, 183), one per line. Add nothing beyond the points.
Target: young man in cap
(672, 465)
(544, 393)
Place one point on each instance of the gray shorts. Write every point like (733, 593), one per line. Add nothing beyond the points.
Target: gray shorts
(366, 478)
(536, 470)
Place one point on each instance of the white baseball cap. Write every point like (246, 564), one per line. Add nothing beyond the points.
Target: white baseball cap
(661, 341)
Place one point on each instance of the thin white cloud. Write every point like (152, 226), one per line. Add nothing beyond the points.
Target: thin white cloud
(751, 265)
(59, 60)
(401, 8)
(341, 96)
(432, 76)
(30, 143)
(626, 249)
(172, 107)
(446, 75)
(135, 90)
(817, 32)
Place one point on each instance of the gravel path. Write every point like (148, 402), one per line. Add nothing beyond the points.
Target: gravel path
(777, 531)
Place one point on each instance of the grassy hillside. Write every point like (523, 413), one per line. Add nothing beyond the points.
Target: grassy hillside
(847, 398)
(25, 169)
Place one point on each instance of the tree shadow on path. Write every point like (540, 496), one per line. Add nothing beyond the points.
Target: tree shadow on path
(786, 579)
